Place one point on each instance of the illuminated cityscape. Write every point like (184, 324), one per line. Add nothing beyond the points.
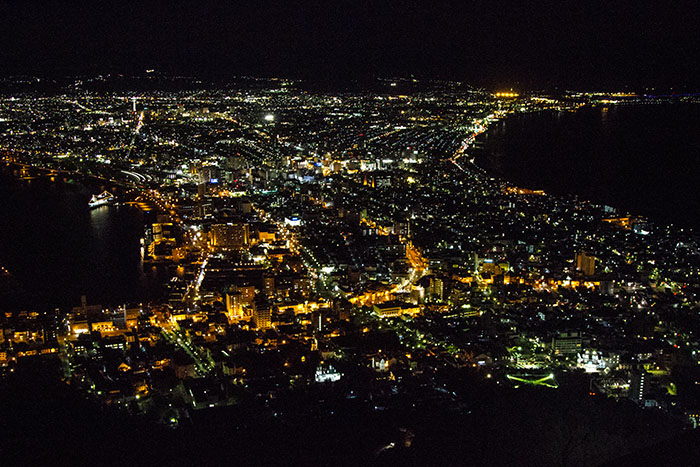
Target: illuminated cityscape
(297, 246)
(213, 267)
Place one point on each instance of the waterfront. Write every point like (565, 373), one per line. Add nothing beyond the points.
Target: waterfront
(641, 158)
(58, 249)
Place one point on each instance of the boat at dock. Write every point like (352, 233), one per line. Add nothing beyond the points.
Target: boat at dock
(103, 199)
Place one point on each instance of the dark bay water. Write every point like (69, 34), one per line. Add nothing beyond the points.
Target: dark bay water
(58, 249)
(640, 158)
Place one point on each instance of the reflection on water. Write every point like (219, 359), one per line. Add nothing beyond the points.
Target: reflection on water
(99, 218)
(59, 249)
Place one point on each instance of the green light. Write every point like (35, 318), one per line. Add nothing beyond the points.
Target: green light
(548, 380)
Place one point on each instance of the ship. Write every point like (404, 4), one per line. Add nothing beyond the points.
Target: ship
(103, 199)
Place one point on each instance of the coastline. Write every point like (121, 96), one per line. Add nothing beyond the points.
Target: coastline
(58, 248)
(512, 150)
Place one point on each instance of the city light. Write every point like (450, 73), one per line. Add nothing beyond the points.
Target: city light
(361, 253)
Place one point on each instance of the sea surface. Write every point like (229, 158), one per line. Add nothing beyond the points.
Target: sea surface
(644, 159)
(57, 249)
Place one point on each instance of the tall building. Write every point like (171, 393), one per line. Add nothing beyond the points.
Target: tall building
(585, 263)
(229, 235)
(436, 289)
(302, 286)
(639, 386)
(567, 343)
(269, 285)
(234, 304)
(209, 174)
(262, 315)
(247, 293)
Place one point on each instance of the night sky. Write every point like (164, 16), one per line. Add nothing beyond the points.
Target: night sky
(527, 44)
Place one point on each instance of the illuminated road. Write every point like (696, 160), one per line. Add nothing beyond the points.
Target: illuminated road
(192, 293)
(202, 366)
(412, 338)
(480, 126)
(419, 265)
(137, 130)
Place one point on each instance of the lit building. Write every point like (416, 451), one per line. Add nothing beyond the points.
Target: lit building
(639, 386)
(262, 315)
(266, 236)
(229, 235)
(567, 343)
(327, 374)
(239, 299)
(293, 221)
(302, 286)
(103, 326)
(165, 231)
(593, 362)
(585, 263)
(234, 305)
(436, 289)
(247, 293)
(269, 285)
(395, 308)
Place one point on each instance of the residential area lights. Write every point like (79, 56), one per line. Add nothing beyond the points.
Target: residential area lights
(350, 244)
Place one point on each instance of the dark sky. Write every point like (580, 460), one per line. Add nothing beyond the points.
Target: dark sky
(494, 43)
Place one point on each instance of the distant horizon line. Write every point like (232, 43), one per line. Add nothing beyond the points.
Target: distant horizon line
(648, 91)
